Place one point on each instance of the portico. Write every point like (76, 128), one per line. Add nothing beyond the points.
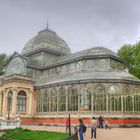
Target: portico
(17, 96)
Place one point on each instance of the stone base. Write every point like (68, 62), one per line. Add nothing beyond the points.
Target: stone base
(84, 109)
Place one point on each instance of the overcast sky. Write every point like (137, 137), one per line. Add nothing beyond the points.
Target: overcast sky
(81, 23)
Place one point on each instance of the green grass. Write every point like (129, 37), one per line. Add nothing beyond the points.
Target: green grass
(25, 134)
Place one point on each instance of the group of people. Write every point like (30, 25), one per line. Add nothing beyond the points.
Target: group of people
(94, 124)
(102, 123)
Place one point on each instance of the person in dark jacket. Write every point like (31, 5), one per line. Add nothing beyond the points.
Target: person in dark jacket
(101, 122)
(81, 124)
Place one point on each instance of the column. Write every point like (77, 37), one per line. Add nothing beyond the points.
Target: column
(57, 97)
(78, 90)
(42, 100)
(92, 102)
(33, 105)
(14, 103)
(4, 106)
(133, 104)
(50, 97)
(1, 102)
(79, 94)
(27, 102)
(122, 104)
(30, 98)
(107, 103)
(66, 93)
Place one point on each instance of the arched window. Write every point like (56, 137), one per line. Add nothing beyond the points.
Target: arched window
(94, 102)
(9, 100)
(113, 104)
(46, 101)
(53, 107)
(79, 66)
(99, 89)
(127, 89)
(72, 99)
(85, 98)
(89, 98)
(62, 100)
(21, 101)
(104, 104)
(91, 65)
(129, 106)
(119, 104)
(98, 103)
(39, 100)
(72, 67)
(137, 103)
(114, 89)
(64, 69)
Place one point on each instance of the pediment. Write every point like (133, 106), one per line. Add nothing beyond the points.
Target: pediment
(16, 65)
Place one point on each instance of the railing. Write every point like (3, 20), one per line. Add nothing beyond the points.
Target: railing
(73, 137)
(9, 124)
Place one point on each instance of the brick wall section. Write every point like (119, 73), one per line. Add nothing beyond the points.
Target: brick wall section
(75, 121)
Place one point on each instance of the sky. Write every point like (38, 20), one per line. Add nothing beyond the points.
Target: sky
(82, 24)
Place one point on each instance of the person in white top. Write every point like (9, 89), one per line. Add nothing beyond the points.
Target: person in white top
(93, 125)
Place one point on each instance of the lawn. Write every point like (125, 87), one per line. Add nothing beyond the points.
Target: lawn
(25, 134)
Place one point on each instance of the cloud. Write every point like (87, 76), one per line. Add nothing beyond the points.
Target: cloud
(81, 23)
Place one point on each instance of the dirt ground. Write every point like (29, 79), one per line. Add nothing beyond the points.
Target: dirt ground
(102, 134)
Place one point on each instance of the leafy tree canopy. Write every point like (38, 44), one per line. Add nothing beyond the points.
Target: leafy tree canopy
(131, 56)
(3, 59)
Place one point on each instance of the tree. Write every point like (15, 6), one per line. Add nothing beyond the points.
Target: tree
(3, 59)
(131, 56)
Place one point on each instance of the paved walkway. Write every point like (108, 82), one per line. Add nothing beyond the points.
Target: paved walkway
(102, 134)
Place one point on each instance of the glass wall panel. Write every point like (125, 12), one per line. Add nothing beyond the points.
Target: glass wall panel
(53, 107)
(72, 99)
(137, 103)
(129, 106)
(62, 100)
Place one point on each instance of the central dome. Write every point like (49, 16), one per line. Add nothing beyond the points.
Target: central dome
(48, 40)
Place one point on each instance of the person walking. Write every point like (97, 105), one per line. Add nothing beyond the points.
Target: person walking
(101, 122)
(81, 125)
(93, 125)
(67, 124)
